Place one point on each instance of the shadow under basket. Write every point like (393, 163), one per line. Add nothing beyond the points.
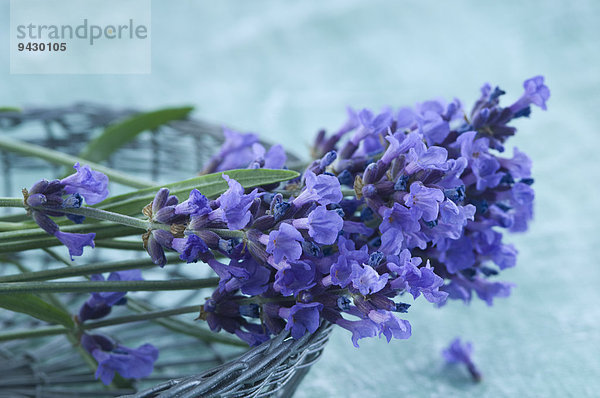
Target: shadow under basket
(188, 366)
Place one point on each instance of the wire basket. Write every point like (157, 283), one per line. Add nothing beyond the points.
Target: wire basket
(49, 366)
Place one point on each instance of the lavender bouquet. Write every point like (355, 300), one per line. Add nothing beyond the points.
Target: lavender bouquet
(395, 205)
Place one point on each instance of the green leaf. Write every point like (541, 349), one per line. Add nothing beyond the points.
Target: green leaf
(9, 109)
(117, 135)
(36, 307)
(211, 185)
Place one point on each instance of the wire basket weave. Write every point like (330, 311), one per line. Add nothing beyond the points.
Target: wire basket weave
(172, 152)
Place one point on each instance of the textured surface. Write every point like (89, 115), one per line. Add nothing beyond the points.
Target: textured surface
(285, 70)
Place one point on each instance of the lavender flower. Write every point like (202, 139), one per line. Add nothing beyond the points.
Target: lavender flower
(191, 247)
(234, 205)
(389, 325)
(426, 201)
(92, 185)
(285, 243)
(100, 304)
(323, 225)
(196, 205)
(323, 188)
(366, 280)
(536, 92)
(47, 198)
(301, 318)
(360, 329)
(114, 358)
(459, 352)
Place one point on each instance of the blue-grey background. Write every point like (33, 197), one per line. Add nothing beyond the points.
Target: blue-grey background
(285, 69)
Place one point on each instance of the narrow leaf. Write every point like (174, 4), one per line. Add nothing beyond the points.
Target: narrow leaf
(117, 135)
(9, 109)
(36, 307)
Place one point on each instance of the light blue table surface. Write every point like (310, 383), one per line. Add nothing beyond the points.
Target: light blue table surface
(285, 69)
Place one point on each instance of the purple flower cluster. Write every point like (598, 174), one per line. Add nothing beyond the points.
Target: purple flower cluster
(48, 198)
(409, 201)
(240, 151)
(111, 356)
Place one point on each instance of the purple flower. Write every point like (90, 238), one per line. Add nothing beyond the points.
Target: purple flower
(196, 205)
(156, 241)
(389, 325)
(235, 153)
(393, 150)
(341, 269)
(459, 352)
(417, 280)
(258, 277)
(395, 223)
(231, 276)
(90, 184)
(519, 166)
(522, 201)
(301, 318)
(422, 158)
(285, 243)
(294, 277)
(100, 304)
(47, 199)
(114, 358)
(163, 208)
(453, 218)
(190, 248)
(323, 188)
(459, 255)
(536, 92)
(487, 291)
(360, 329)
(234, 205)
(425, 200)
(484, 166)
(366, 280)
(75, 242)
(461, 288)
(433, 126)
(274, 158)
(371, 124)
(323, 225)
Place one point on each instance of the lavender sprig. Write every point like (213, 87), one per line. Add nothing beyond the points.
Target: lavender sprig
(431, 195)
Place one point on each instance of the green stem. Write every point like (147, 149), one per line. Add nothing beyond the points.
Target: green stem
(104, 215)
(82, 270)
(11, 202)
(91, 212)
(106, 286)
(39, 332)
(12, 226)
(120, 244)
(56, 157)
(141, 317)
(226, 233)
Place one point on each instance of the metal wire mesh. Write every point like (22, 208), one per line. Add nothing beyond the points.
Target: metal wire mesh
(50, 367)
